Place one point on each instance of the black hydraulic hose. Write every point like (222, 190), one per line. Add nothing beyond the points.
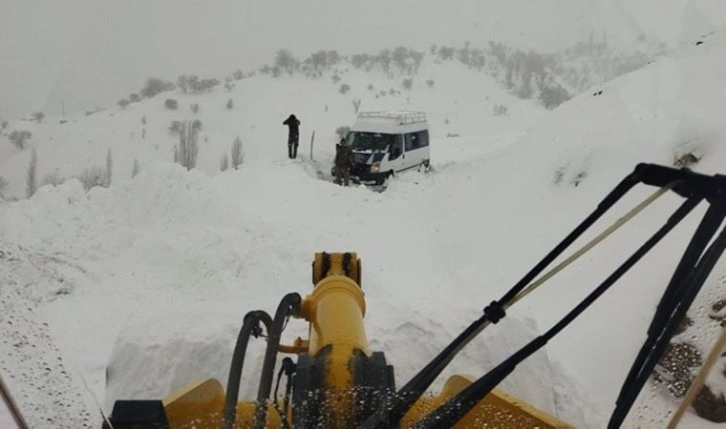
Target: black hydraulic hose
(287, 368)
(407, 395)
(283, 418)
(448, 414)
(250, 327)
(288, 392)
(656, 348)
(289, 305)
(701, 237)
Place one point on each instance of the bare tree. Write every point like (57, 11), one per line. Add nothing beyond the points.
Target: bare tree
(230, 104)
(39, 116)
(18, 138)
(224, 163)
(136, 169)
(156, 86)
(237, 153)
(500, 109)
(124, 103)
(356, 104)
(553, 96)
(188, 147)
(175, 127)
(31, 181)
(285, 60)
(92, 177)
(109, 168)
(3, 186)
(182, 83)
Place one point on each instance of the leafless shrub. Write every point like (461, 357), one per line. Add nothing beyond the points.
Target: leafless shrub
(186, 152)
(224, 162)
(552, 97)
(237, 153)
(500, 109)
(31, 181)
(156, 86)
(19, 138)
(175, 127)
(92, 177)
(52, 179)
(136, 169)
(109, 168)
(3, 186)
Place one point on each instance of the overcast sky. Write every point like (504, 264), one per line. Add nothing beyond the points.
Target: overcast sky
(87, 53)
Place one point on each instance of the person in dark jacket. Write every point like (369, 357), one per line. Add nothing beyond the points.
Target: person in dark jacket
(343, 163)
(293, 136)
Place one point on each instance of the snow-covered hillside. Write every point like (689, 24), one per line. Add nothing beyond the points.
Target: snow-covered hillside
(460, 102)
(172, 260)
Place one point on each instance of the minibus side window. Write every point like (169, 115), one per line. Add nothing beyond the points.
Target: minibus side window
(411, 141)
(423, 138)
(417, 140)
(396, 147)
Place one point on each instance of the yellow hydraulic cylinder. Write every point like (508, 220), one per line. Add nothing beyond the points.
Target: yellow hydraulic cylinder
(335, 310)
(336, 307)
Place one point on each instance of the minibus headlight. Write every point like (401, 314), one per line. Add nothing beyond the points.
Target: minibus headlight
(375, 167)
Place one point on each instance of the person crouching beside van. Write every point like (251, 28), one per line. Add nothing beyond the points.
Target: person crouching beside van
(343, 163)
